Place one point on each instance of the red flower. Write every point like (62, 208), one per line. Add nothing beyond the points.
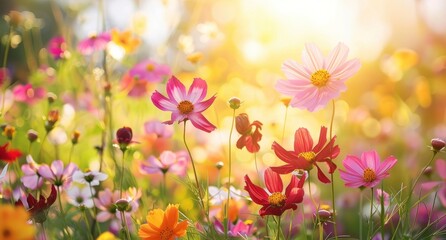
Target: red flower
(38, 208)
(275, 202)
(124, 135)
(249, 139)
(9, 156)
(305, 155)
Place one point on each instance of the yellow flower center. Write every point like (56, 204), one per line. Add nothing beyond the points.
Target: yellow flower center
(369, 175)
(320, 78)
(150, 67)
(185, 107)
(277, 199)
(309, 156)
(30, 92)
(166, 234)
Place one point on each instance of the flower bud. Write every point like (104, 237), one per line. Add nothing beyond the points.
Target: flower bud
(51, 97)
(286, 101)
(122, 205)
(219, 165)
(437, 144)
(53, 117)
(242, 124)
(9, 131)
(324, 215)
(124, 137)
(14, 18)
(428, 171)
(234, 103)
(75, 137)
(32, 135)
(107, 89)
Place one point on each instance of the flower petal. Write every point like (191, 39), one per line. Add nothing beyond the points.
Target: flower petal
(295, 71)
(312, 57)
(302, 141)
(200, 122)
(292, 87)
(176, 90)
(201, 106)
(163, 103)
(197, 90)
(257, 194)
(336, 57)
(273, 181)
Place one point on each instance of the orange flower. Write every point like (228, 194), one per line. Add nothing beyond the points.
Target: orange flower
(125, 40)
(163, 225)
(14, 223)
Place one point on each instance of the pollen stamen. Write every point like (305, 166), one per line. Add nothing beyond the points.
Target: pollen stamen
(320, 78)
(277, 199)
(185, 107)
(369, 175)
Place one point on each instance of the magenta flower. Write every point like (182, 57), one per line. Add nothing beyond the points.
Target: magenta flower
(57, 47)
(319, 79)
(57, 174)
(31, 178)
(239, 229)
(94, 43)
(28, 94)
(185, 105)
(367, 171)
(150, 71)
(168, 161)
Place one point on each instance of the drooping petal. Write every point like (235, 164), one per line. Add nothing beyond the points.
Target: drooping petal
(162, 102)
(273, 181)
(303, 141)
(197, 90)
(321, 176)
(200, 122)
(257, 194)
(293, 184)
(284, 155)
(284, 169)
(176, 90)
(180, 229)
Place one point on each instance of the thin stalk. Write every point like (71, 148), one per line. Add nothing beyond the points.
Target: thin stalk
(361, 199)
(124, 225)
(62, 213)
(290, 226)
(193, 167)
(122, 174)
(95, 210)
(382, 215)
(71, 153)
(84, 214)
(333, 202)
(321, 231)
(226, 222)
(284, 123)
(43, 231)
(41, 147)
(370, 228)
(257, 169)
(278, 228)
(5, 60)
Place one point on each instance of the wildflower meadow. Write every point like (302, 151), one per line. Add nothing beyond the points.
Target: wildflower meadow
(222, 119)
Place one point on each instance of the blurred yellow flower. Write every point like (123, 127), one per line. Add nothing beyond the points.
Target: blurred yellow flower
(163, 225)
(107, 236)
(126, 40)
(14, 223)
(194, 57)
(405, 58)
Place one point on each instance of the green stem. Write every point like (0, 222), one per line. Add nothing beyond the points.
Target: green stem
(321, 231)
(257, 169)
(193, 167)
(124, 226)
(278, 228)
(226, 223)
(63, 213)
(370, 228)
(5, 59)
(84, 214)
(333, 202)
(95, 210)
(382, 214)
(361, 199)
(284, 123)
(122, 173)
(43, 231)
(71, 153)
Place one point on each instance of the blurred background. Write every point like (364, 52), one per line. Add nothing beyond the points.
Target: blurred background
(394, 104)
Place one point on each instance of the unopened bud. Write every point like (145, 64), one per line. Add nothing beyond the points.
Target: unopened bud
(75, 138)
(9, 131)
(234, 103)
(428, 171)
(122, 205)
(286, 101)
(219, 165)
(51, 97)
(437, 144)
(32, 135)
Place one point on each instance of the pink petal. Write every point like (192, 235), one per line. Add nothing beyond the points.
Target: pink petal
(176, 90)
(295, 71)
(175, 116)
(168, 158)
(354, 164)
(273, 181)
(440, 164)
(57, 168)
(197, 90)
(371, 160)
(336, 57)
(303, 142)
(163, 103)
(386, 165)
(306, 99)
(200, 122)
(201, 106)
(45, 171)
(291, 87)
(154, 162)
(312, 57)
(346, 70)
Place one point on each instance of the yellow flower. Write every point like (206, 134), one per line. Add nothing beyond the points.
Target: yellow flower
(107, 236)
(194, 57)
(125, 39)
(14, 223)
(163, 225)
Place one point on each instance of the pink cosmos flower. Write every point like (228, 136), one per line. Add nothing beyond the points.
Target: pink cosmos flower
(319, 79)
(158, 128)
(239, 229)
(57, 174)
(57, 47)
(367, 171)
(31, 178)
(149, 70)
(185, 105)
(28, 94)
(168, 161)
(94, 43)
(106, 204)
(440, 166)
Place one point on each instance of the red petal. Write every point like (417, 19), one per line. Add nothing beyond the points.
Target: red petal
(273, 181)
(302, 141)
(257, 194)
(321, 176)
(322, 140)
(285, 169)
(284, 155)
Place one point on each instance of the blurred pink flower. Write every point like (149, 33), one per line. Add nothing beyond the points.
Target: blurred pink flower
(240, 229)
(185, 105)
(149, 70)
(57, 174)
(156, 127)
(28, 94)
(168, 161)
(4, 74)
(319, 79)
(94, 43)
(57, 47)
(382, 194)
(440, 166)
(367, 171)
(31, 178)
